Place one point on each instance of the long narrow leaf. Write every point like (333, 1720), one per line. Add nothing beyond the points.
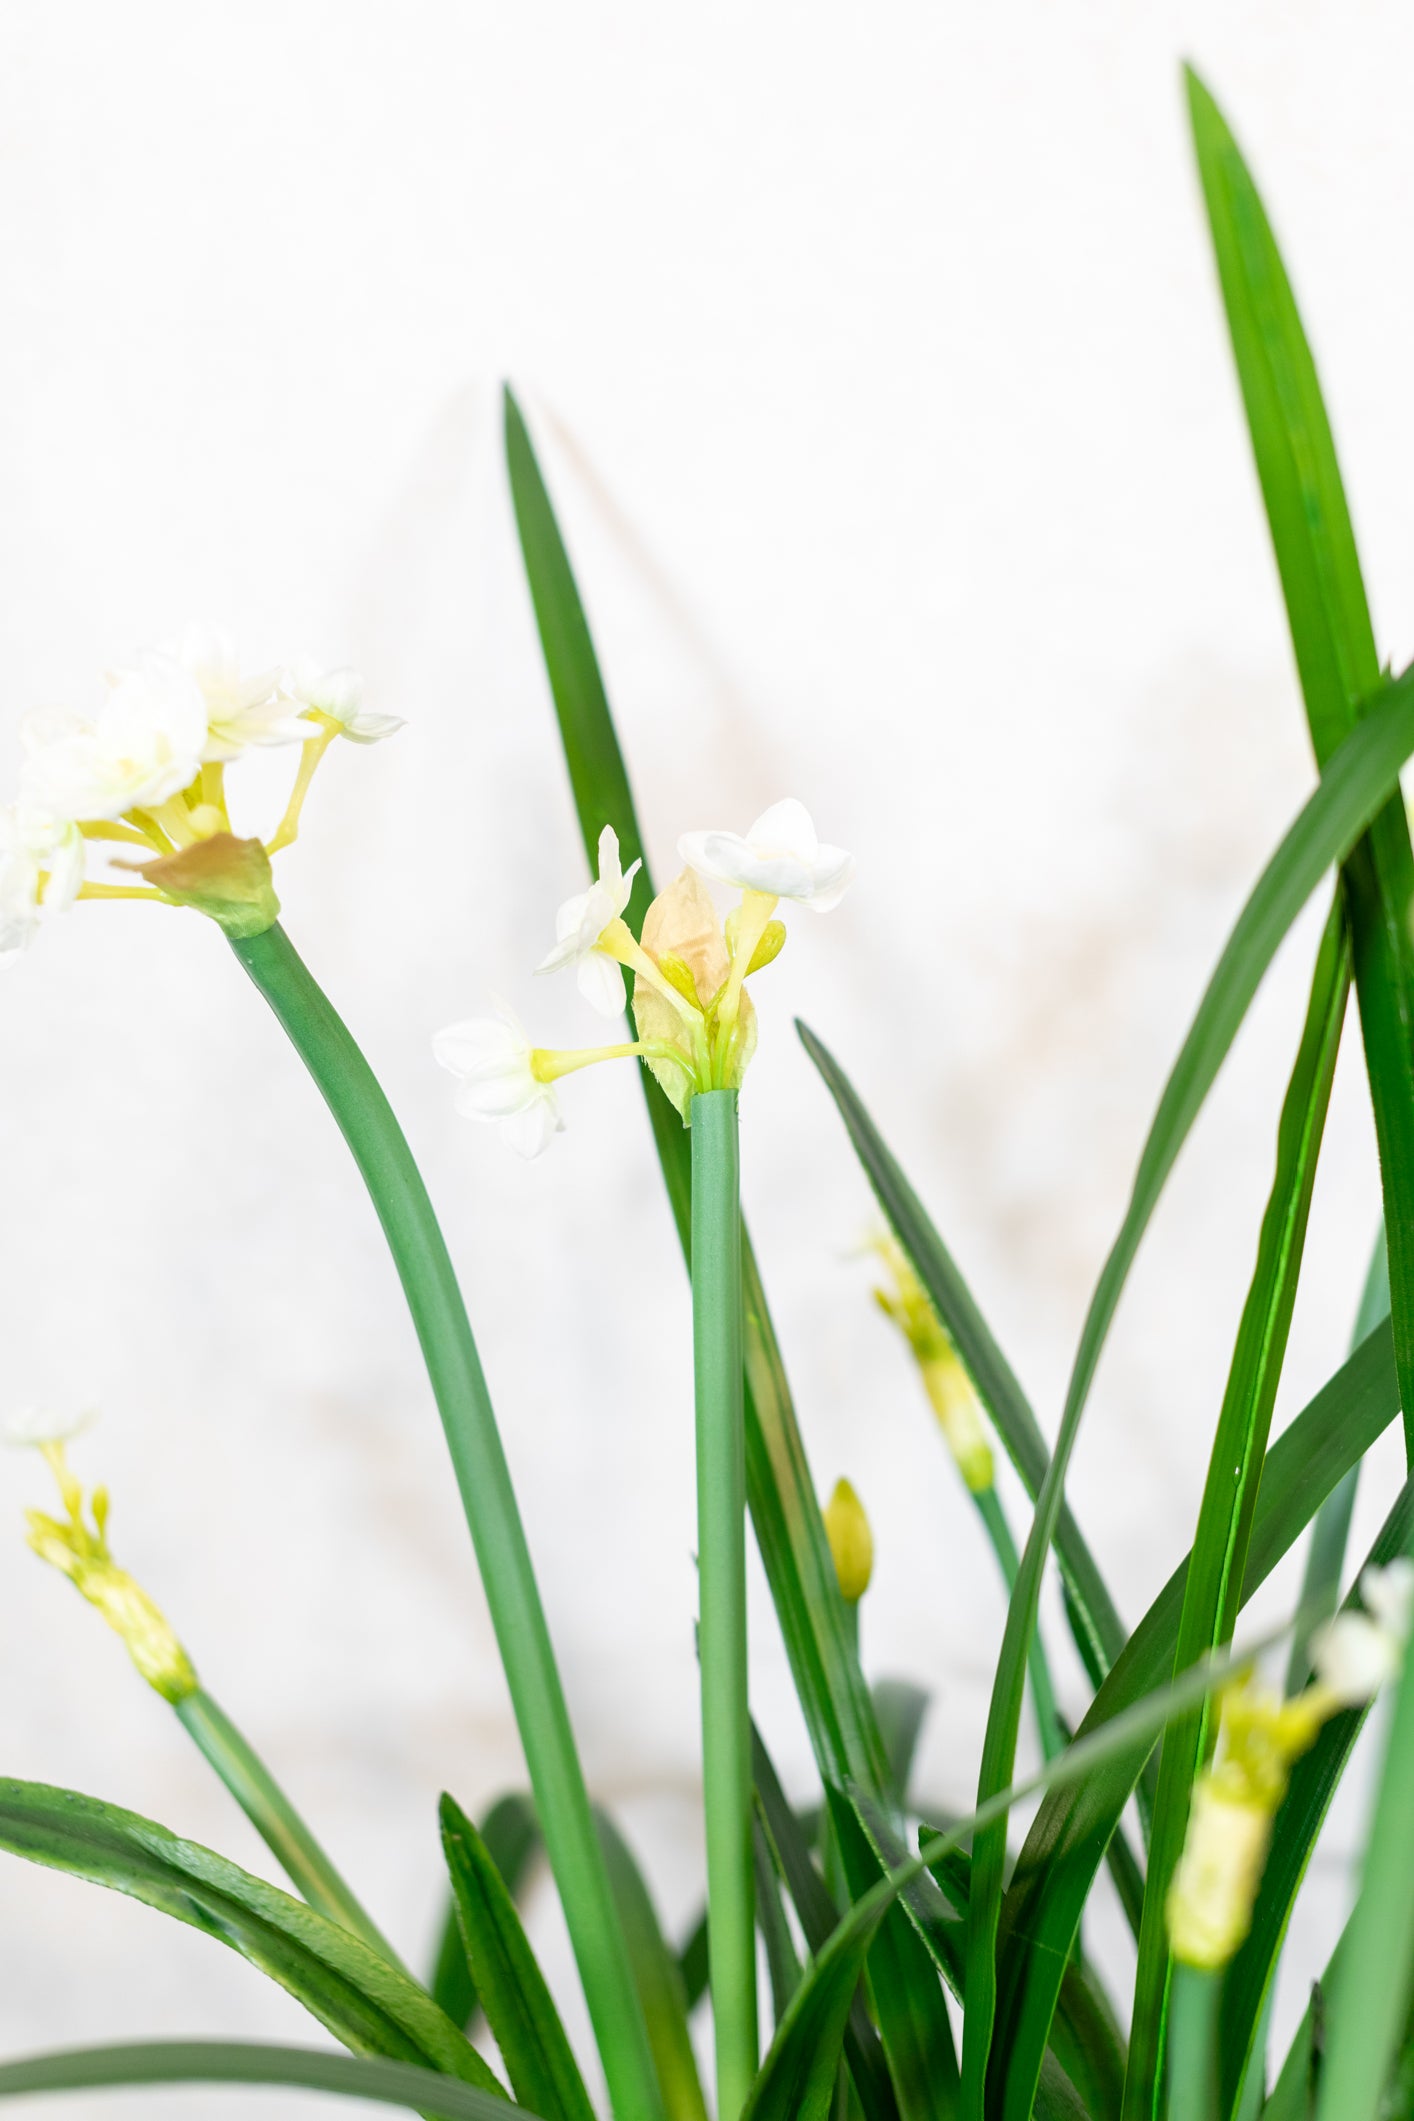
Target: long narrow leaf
(518, 2006)
(1057, 1865)
(159, 2063)
(1335, 655)
(659, 1979)
(368, 2004)
(781, 1494)
(511, 1832)
(1353, 786)
(1219, 1555)
(1248, 1983)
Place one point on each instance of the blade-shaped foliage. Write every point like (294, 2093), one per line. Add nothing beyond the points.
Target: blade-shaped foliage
(511, 1832)
(903, 1981)
(784, 1509)
(1248, 1983)
(1335, 654)
(661, 1988)
(1098, 1632)
(1063, 1850)
(349, 1988)
(1351, 790)
(519, 2010)
(1219, 1555)
(165, 2062)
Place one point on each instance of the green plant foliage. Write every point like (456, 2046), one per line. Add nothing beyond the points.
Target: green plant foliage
(511, 1833)
(348, 1987)
(662, 1989)
(158, 2063)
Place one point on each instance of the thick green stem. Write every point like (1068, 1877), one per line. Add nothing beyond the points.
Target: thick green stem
(721, 1564)
(1193, 2044)
(1043, 1693)
(353, 1095)
(275, 1819)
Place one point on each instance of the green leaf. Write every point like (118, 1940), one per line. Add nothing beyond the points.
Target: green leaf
(164, 2062)
(517, 2003)
(908, 1999)
(819, 1918)
(1249, 1980)
(511, 1832)
(661, 1987)
(1219, 1554)
(1099, 1632)
(1351, 789)
(1335, 655)
(368, 2004)
(900, 1707)
(782, 1962)
(693, 1963)
(1057, 1865)
(784, 1509)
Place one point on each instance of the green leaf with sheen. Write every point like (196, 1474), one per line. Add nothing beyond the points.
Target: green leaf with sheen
(1056, 1868)
(1219, 1554)
(1335, 655)
(519, 2009)
(661, 1988)
(784, 1509)
(511, 1832)
(160, 2063)
(368, 2004)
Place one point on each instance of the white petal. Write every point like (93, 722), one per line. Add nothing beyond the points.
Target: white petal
(37, 1425)
(372, 728)
(1388, 1595)
(833, 874)
(535, 1128)
(786, 828)
(1354, 1656)
(601, 982)
(65, 863)
(609, 872)
(719, 855)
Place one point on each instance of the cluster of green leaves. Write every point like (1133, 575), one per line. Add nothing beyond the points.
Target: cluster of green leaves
(883, 1935)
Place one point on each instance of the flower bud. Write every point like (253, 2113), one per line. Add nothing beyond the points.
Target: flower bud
(1210, 1901)
(851, 1541)
(960, 1418)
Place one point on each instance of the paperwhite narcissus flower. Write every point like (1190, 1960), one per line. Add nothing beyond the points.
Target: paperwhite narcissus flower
(494, 1061)
(581, 922)
(145, 745)
(780, 857)
(339, 694)
(1356, 1654)
(41, 863)
(239, 711)
(33, 1427)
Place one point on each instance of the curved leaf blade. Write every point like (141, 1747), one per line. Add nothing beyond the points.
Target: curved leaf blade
(165, 2062)
(353, 1992)
(518, 2005)
(661, 1988)
(511, 1832)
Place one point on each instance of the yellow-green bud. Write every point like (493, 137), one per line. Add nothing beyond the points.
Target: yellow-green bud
(851, 1541)
(81, 1554)
(960, 1418)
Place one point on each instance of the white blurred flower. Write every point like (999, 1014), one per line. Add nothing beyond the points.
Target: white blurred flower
(144, 746)
(780, 857)
(1355, 1654)
(239, 711)
(494, 1061)
(339, 694)
(33, 1427)
(582, 920)
(41, 863)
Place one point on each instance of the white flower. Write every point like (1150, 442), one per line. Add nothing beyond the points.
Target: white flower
(1356, 1653)
(493, 1058)
(239, 711)
(339, 694)
(145, 745)
(40, 1425)
(582, 920)
(41, 863)
(780, 857)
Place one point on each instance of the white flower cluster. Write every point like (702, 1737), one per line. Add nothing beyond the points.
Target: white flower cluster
(174, 711)
(507, 1080)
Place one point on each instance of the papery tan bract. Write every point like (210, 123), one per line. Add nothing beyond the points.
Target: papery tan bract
(227, 879)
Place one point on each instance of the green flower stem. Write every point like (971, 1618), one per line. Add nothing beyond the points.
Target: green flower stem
(1193, 2043)
(1043, 1693)
(275, 1819)
(721, 1564)
(420, 1254)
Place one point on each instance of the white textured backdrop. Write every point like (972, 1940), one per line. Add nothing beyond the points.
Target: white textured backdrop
(879, 373)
